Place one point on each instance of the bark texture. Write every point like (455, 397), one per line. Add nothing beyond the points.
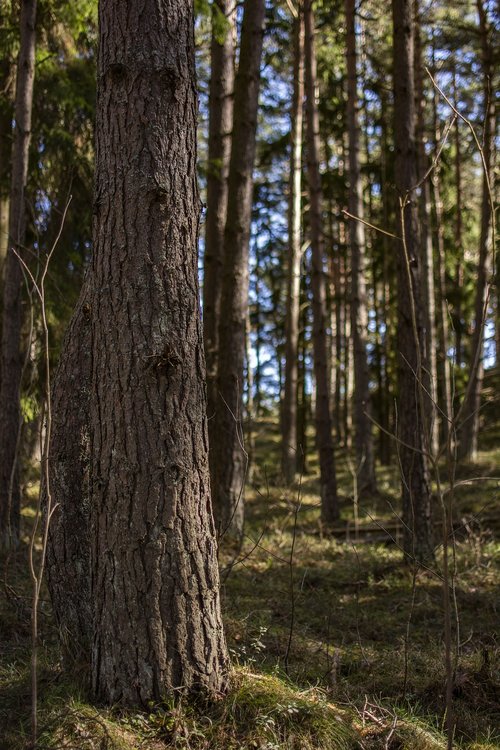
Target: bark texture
(155, 582)
(468, 429)
(292, 322)
(11, 356)
(219, 149)
(324, 439)
(230, 457)
(412, 409)
(68, 550)
(359, 316)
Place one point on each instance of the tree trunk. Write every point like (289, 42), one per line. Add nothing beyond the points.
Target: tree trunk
(68, 550)
(230, 458)
(324, 440)
(413, 440)
(11, 357)
(388, 344)
(219, 148)
(155, 582)
(6, 86)
(443, 365)
(459, 267)
(426, 248)
(289, 447)
(363, 440)
(468, 428)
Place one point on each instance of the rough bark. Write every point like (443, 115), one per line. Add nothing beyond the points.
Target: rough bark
(363, 439)
(324, 440)
(155, 584)
(11, 356)
(220, 113)
(413, 442)
(292, 322)
(230, 457)
(469, 415)
(68, 549)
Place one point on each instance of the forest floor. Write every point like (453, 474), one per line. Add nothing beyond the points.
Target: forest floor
(335, 643)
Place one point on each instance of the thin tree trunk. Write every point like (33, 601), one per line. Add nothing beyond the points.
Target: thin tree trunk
(443, 365)
(220, 108)
(289, 438)
(459, 269)
(413, 441)
(363, 439)
(386, 306)
(155, 582)
(324, 440)
(303, 400)
(469, 427)
(250, 406)
(6, 85)
(11, 357)
(230, 459)
(426, 250)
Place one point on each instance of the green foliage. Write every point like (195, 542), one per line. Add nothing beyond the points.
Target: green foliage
(209, 9)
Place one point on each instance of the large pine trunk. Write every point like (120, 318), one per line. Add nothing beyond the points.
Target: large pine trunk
(292, 323)
(324, 439)
(155, 585)
(468, 428)
(363, 439)
(412, 435)
(230, 456)
(12, 318)
(220, 107)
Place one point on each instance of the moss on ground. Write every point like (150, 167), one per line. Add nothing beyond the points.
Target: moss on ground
(339, 646)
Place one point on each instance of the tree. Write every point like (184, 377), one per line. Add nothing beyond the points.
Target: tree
(69, 543)
(426, 249)
(324, 440)
(359, 315)
(469, 413)
(230, 458)
(12, 318)
(412, 433)
(220, 106)
(292, 324)
(155, 587)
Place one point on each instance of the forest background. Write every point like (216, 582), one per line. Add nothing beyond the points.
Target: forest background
(351, 374)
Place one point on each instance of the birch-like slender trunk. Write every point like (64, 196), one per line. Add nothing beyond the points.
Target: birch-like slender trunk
(426, 248)
(443, 364)
(292, 323)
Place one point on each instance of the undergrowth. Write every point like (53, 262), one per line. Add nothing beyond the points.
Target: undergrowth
(337, 647)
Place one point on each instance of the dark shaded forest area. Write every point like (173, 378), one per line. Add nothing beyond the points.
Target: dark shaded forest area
(249, 375)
